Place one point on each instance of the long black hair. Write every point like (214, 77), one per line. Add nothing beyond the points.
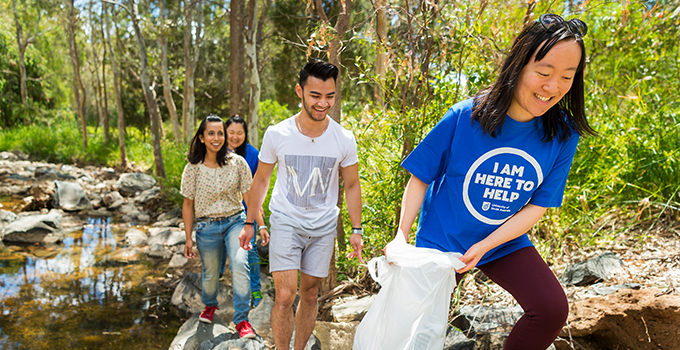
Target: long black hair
(240, 150)
(197, 148)
(492, 103)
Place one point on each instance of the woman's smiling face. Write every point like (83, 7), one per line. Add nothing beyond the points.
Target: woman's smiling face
(213, 136)
(236, 135)
(542, 84)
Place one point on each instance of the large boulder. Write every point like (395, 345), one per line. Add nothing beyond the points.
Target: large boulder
(135, 237)
(6, 217)
(38, 228)
(187, 296)
(628, 319)
(196, 335)
(166, 236)
(131, 183)
(335, 335)
(113, 200)
(70, 196)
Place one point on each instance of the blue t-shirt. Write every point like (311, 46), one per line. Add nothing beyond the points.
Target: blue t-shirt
(477, 182)
(251, 158)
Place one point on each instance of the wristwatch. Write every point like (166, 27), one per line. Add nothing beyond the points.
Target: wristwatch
(357, 231)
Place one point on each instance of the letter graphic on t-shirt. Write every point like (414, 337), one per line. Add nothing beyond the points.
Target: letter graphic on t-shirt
(308, 179)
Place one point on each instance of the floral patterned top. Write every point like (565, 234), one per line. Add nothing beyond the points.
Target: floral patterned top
(217, 192)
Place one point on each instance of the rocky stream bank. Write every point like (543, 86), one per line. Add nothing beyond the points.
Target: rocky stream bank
(620, 298)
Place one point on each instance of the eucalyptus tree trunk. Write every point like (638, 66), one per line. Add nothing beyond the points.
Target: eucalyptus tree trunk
(167, 91)
(78, 87)
(96, 83)
(116, 89)
(253, 74)
(155, 118)
(381, 57)
(22, 62)
(334, 50)
(236, 66)
(106, 101)
(190, 62)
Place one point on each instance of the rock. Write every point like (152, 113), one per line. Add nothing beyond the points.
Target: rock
(47, 173)
(113, 200)
(592, 270)
(260, 318)
(135, 237)
(178, 259)
(130, 183)
(352, 309)
(456, 340)
(604, 290)
(95, 199)
(70, 196)
(16, 191)
(187, 296)
(194, 335)
(170, 215)
(335, 335)
(628, 319)
(477, 318)
(148, 196)
(101, 212)
(156, 250)
(124, 256)
(6, 217)
(312, 344)
(40, 228)
(8, 156)
(166, 236)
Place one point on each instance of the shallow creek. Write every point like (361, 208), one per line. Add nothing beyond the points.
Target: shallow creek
(69, 296)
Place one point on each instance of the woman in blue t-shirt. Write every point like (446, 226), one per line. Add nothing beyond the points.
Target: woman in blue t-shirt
(237, 136)
(488, 170)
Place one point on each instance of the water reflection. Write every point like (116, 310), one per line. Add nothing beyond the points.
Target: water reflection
(71, 296)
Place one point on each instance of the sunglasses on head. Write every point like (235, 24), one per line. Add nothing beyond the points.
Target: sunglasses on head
(213, 118)
(552, 22)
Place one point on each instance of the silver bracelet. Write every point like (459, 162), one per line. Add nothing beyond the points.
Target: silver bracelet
(357, 231)
(262, 227)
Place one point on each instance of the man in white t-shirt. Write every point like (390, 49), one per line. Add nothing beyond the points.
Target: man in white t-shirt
(311, 149)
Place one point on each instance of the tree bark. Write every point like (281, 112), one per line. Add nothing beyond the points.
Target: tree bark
(381, 57)
(155, 118)
(96, 83)
(190, 62)
(78, 87)
(22, 62)
(167, 87)
(334, 51)
(116, 89)
(253, 74)
(106, 102)
(236, 66)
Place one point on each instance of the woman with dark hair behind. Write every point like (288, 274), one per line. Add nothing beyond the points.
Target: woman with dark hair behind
(488, 170)
(214, 183)
(237, 141)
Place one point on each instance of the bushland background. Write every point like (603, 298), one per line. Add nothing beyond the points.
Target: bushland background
(124, 84)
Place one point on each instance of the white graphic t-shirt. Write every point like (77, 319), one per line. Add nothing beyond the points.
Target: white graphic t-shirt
(305, 194)
(477, 182)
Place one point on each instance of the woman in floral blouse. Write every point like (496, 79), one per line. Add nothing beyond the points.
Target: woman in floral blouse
(213, 185)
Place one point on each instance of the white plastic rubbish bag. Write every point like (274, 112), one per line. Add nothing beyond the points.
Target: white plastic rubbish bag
(411, 310)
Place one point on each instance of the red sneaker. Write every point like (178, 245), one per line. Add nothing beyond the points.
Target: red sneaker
(245, 330)
(207, 314)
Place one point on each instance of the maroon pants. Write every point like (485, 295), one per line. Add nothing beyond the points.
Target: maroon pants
(527, 277)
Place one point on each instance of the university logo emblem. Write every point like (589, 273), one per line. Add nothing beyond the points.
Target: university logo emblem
(486, 206)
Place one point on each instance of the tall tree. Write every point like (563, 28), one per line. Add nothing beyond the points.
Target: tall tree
(167, 87)
(96, 82)
(22, 51)
(334, 51)
(253, 74)
(381, 57)
(106, 102)
(190, 62)
(154, 116)
(78, 88)
(236, 53)
(116, 89)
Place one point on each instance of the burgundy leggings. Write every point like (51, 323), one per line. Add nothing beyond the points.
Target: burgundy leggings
(527, 277)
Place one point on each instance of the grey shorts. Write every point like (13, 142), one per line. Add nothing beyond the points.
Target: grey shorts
(291, 250)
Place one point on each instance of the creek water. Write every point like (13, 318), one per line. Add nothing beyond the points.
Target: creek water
(70, 296)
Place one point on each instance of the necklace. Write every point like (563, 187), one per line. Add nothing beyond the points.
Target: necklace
(297, 122)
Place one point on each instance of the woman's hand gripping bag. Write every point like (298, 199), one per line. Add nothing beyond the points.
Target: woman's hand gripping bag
(412, 308)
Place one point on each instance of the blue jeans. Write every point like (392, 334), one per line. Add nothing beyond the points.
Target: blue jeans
(254, 262)
(212, 239)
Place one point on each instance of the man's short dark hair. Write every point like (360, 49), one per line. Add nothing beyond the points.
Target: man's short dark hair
(319, 69)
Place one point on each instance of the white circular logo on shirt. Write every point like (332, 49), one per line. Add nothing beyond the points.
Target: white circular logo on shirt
(499, 183)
